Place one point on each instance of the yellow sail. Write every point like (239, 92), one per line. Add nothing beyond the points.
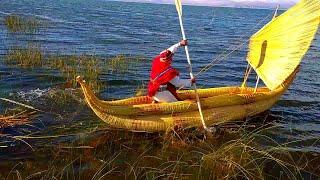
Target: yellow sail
(277, 49)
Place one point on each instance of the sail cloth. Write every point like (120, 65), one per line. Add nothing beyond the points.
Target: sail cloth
(277, 49)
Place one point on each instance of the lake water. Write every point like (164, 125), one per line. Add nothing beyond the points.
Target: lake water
(106, 28)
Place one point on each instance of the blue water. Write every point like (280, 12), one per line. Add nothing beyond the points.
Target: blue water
(107, 28)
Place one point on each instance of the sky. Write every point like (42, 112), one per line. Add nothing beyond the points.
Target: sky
(229, 3)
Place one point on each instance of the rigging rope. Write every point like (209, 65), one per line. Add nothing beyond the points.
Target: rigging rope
(218, 59)
(246, 75)
(221, 57)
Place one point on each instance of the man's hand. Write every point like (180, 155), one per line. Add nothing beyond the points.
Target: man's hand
(193, 80)
(183, 42)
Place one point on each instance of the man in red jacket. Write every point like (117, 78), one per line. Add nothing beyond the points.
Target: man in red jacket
(164, 79)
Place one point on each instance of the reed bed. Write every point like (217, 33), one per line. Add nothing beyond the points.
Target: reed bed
(17, 23)
(70, 66)
(186, 154)
(27, 57)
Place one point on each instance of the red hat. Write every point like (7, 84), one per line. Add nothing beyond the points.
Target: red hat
(166, 55)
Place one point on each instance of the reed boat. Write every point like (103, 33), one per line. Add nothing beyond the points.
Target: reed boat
(275, 52)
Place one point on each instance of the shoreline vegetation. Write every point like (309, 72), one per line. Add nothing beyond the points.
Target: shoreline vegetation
(90, 150)
(16, 117)
(109, 153)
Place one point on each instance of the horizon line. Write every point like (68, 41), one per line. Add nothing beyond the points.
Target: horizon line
(200, 5)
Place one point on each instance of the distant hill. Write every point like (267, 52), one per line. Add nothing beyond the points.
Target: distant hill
(228, 3)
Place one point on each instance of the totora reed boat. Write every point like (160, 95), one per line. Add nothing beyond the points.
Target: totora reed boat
(275, 52)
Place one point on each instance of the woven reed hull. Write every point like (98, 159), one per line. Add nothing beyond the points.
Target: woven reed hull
(156, 123)
(210, 98)
(213, 114)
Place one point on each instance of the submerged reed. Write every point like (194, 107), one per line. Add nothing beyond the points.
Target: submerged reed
(27, 57)
(123, 64)
(71, 66)
(141, 89)
(118, 64)
(17, 23)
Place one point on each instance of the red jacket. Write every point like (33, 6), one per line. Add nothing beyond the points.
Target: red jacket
(161, 73)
